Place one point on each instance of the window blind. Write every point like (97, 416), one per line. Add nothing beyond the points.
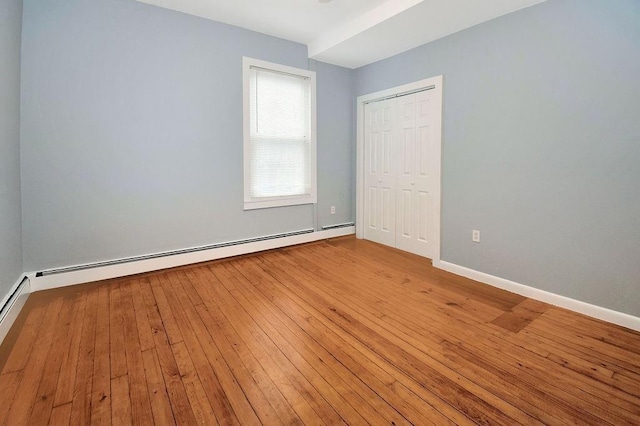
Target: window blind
(279, 142)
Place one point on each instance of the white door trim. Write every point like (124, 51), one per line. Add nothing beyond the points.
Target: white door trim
(437, 83)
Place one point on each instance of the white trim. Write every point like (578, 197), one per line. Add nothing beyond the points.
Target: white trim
(11, 290)
(256, 203)
(588, 309)
(293, 200)
(437, 83)
(120, 270)
(15, 308)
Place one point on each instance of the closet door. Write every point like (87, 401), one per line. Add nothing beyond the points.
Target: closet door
(414, 223)
(380, 173)
(399, 150)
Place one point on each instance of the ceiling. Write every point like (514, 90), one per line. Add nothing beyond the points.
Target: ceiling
(350, 33)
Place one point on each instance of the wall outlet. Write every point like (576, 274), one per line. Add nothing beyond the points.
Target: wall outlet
(475, 236)
(333, 209)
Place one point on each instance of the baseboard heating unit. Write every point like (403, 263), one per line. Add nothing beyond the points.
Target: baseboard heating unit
(11, 306)
(169, 253)
(340, 225)
(103, 270)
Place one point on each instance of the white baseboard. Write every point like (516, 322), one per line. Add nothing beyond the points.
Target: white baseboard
(594, 311)
(64, 279)
(17, 303)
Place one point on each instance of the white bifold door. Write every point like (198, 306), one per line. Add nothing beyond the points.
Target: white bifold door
(399, 163)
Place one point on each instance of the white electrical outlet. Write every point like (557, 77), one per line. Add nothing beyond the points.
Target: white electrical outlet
(475, 236)
(333, 209)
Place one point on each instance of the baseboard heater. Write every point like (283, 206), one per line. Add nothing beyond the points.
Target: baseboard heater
(8, 303)
(340, 225)
(169, 253)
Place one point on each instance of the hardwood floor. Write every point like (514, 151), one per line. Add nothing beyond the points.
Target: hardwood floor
(345, 331)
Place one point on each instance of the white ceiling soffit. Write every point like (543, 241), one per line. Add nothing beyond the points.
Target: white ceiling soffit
(351, 33)
(426, 21)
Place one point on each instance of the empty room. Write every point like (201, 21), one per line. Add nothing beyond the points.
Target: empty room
(319, 212)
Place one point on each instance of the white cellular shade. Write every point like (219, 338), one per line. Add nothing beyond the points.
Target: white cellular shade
(279, 135)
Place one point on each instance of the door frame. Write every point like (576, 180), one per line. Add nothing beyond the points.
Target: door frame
(436, 83)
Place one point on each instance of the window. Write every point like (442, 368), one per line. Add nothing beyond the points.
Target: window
(279, 135)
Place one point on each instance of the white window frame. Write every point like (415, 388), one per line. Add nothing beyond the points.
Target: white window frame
(278, 201)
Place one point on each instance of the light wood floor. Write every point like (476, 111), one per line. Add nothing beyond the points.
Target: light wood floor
(343, 331)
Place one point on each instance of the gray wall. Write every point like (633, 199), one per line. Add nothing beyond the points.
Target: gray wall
(541, 146)
(335, 150)
(132, 132)
(10, 211)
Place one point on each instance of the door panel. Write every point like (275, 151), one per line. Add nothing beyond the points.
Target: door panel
(380, 176)
(371, 207)
(423, 150)
(386, 207)
(413, 183)
(423, 216)
(406, 211)
(386, 152)
(425, 158)
(373, 150)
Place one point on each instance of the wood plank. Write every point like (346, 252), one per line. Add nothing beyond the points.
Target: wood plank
(81, 397)
(227, 394)
(160, 404)
(117, 348)
(418, 266)
(359, 358)
(254, 368)
(248, 402)
(544, 373)
(195, 391)
(169, 324)
(437, 344)
(189, 289)
(61, 415)
(9, 383)
(423, 290)
(215, 376)
(371, 406)
(182, 412)
(534, 382)
(547, 340)
(566, 336)
(521, 315)
(43, 404)
(312, 405)
(23, 346)
(70, 358)
(395, 351)
(596, 328)
(26, 393)
(145, 334)
(140, 405)
(120, 402)
(264, 351)
(173, 288)
(624, 348)
(101, 386)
